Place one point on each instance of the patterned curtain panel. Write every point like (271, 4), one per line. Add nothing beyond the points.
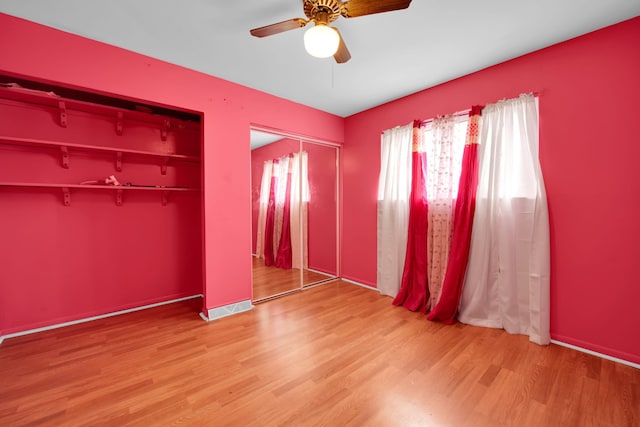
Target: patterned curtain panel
(443, 171)
(446, 307)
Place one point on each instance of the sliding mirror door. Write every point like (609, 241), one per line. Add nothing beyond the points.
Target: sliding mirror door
(294, 194)
(322, 210)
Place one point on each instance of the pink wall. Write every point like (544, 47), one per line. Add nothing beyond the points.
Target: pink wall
(37, 52)
(589, 94)
(322, 204)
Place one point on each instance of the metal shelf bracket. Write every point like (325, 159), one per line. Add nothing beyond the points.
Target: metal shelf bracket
(119, 123)
(118, 197)
(63, 113)
(66, 196)
(119, 161)
(163, 166)
(65, 157)
(166, 125)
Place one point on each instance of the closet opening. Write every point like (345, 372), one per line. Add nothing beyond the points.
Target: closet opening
(100, 205)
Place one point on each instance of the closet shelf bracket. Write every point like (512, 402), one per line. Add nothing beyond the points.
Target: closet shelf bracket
(166, 125)
(63, 113)
(163, 165)
(118, 197)
(66, 196)
(119, 123)
(165, 198)
(119, 161)
(65, 157)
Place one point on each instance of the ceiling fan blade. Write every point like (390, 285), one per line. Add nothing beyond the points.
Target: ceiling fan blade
(280, 27)
(354, 8)
(342, 55)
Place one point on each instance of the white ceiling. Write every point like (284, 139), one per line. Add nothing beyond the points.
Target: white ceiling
(393, 54)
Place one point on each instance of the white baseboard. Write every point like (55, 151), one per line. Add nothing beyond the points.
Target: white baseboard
(226, 310)
(595, 353)
(101, 316)
(360, 284)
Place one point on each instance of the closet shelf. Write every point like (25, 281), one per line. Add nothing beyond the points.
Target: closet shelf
(65, 147)
(66, 193)
(64, 104)
(97, 186)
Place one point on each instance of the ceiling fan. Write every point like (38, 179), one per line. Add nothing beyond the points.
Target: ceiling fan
(321, 40)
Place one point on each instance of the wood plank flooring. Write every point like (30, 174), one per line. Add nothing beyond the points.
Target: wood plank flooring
(331, 355)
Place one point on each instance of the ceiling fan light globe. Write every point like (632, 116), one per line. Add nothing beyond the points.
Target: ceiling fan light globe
(321, 41)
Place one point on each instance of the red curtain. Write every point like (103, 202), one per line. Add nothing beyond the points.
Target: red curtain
(284, 258)
(414, 292)
(269, 256)
(447, 306)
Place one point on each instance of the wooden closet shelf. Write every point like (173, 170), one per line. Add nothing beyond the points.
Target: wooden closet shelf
(91, 186)
(66, 193)
(85, 147)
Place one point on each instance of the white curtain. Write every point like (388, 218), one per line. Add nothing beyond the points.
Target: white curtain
(299, 209)
(394, 188)
(507, 280)
(265, 185)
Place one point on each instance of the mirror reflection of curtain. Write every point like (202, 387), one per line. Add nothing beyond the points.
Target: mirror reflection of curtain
(299, 210)
(265, 185)
(284, 195)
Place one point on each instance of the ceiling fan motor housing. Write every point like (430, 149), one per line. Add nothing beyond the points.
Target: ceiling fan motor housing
(316, 10)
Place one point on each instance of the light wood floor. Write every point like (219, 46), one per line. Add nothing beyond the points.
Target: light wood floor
(332, 355)
(269, 281)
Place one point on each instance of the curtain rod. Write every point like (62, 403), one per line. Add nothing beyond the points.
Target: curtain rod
(466, 112)
(460, 113)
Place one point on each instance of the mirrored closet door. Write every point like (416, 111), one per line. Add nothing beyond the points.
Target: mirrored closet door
(294, 193)
(322, 213)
